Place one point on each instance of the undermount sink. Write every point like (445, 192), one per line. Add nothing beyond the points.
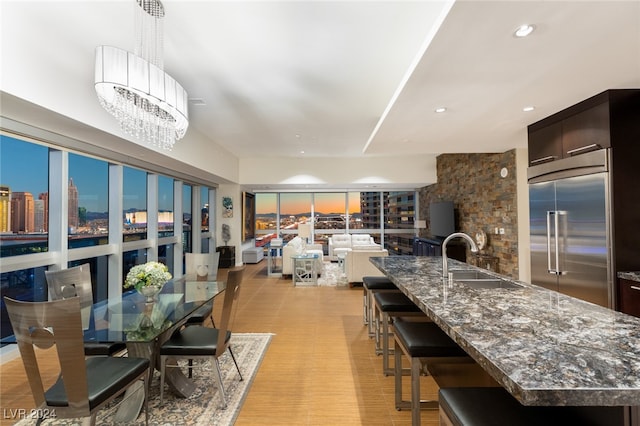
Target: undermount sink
(470, 274)
(490, 283)
(478, 279)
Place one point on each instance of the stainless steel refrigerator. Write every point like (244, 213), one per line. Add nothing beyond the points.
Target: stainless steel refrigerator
(570, 222)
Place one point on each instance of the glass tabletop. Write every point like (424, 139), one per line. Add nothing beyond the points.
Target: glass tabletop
(305, 256)
(130, 319)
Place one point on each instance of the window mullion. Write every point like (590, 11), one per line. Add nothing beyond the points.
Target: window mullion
(59, 207)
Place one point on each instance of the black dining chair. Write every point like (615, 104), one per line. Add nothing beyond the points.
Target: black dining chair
(199, 342)
(76, 281)
(84, 385)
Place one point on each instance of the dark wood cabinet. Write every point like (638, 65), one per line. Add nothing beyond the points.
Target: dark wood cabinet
(586, 131)
(427, 247)
(433, 247)
(227, 256)
(601, 121)
(629, 297)
(545, 144)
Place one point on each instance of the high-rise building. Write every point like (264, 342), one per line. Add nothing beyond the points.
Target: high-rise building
(74, 220)
(38, 215)
(44, 196)
(398, 210)
(5, 209)
(22, 212)
(370, 209)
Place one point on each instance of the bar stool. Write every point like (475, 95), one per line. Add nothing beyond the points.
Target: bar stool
(371, 285)
(422, 343)
(389, 306)
(495, 406)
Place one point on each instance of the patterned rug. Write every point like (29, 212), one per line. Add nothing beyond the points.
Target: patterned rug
(202, 407)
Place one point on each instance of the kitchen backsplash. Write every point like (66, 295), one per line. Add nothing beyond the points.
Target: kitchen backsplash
(483, 200)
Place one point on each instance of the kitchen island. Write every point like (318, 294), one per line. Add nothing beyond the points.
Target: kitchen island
(544, 347)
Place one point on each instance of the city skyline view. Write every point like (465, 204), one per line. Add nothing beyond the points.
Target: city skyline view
(24, 168)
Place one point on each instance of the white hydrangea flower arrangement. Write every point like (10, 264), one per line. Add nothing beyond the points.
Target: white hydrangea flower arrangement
(146, 275)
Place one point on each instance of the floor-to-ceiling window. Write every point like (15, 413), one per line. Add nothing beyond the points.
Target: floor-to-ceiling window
(387, 216)
(399, 214)
(187, 217)
(330, 216)
(88, 201)
(134, 201)
(295, 208)
(60, 208)
(24, 228)
(24, 197)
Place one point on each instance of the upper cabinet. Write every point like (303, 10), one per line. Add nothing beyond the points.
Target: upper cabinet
(599, 122)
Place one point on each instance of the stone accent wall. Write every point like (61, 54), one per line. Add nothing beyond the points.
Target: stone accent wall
(483, 200)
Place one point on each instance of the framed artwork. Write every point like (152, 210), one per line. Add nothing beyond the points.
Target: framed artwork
(227, 207)
(248, 216)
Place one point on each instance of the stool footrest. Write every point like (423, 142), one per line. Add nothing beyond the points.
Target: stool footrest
(424, 405)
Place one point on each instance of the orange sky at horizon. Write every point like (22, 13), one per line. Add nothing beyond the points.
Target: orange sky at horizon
(294, 203)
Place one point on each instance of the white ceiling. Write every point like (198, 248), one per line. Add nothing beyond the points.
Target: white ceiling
(341, 78)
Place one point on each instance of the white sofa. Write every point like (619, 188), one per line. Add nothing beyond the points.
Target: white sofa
(357, 264)
(297, 246)
(347, 242)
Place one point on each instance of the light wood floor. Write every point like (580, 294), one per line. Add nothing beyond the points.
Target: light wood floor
(320, 368)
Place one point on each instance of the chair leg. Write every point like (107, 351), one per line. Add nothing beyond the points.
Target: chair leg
(377, 327)
(416, 368)
(163, 360)
(235, 362)
(218, 378)
(386, 350)
(372, 318)
(146, 401)
(190, 369)
(365, 308)
(398, 374)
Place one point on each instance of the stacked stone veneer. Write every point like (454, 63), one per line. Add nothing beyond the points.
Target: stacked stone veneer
(483, 200)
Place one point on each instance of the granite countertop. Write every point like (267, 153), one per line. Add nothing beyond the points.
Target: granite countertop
(632, 275)
(544, 347)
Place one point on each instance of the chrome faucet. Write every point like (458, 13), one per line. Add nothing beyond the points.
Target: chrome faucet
(445, 263)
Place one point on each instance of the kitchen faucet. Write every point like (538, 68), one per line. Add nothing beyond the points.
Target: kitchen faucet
(445, 263)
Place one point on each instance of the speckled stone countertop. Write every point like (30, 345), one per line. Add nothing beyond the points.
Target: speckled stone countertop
(633, 276)
(544, 347)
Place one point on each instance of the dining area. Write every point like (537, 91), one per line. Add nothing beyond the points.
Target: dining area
(81, 357)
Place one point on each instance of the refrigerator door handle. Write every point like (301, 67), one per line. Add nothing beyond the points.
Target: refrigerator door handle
(549, 213)
(551, 270)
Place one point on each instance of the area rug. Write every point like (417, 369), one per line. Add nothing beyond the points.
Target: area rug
(332, 275)
(202, 407)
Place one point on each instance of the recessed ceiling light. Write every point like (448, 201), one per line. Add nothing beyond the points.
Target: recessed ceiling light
(301, 152)
(528, 108)
(524, 30)
(440, 109)
(197, 101)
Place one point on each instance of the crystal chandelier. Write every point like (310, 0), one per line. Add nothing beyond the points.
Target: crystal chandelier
(147, 102)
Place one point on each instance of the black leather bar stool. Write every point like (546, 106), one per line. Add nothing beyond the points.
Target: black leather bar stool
(495, 406)
(422, 343)
(372, 285)
(388, 306)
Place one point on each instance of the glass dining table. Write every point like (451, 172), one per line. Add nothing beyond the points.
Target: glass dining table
(145, 326)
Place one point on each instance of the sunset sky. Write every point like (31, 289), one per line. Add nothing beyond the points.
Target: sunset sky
(294, 203)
